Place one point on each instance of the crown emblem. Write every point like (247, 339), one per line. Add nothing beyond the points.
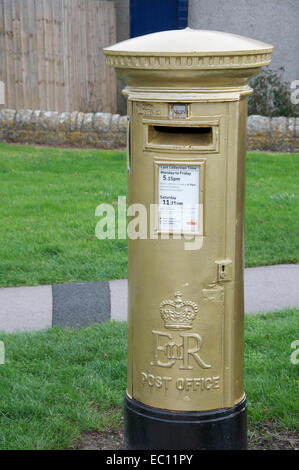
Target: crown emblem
(178, 314)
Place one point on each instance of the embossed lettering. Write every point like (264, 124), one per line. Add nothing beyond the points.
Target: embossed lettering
(148, 109)
(192, 351)
(194, 384)
(167, 354)
(155, 380)
(160, 347)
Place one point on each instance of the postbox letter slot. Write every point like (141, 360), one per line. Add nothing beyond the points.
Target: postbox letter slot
(182, 136)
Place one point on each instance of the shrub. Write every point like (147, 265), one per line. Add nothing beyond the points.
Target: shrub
(271, 95)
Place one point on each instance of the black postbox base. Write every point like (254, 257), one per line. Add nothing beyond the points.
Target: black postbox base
(148, 428)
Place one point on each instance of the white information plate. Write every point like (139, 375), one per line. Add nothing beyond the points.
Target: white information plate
(179, 198)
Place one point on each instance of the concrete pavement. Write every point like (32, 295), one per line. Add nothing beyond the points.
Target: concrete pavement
(270, 288)
(75, 305)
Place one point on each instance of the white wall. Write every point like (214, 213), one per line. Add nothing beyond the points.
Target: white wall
(273, 21)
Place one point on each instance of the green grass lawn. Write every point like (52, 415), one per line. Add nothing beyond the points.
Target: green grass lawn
(58, 383)
(48, 199)
(272, 208)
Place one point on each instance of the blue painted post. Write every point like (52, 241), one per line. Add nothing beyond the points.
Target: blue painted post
(149, 16)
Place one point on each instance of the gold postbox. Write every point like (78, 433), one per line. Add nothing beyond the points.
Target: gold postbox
(187, 96)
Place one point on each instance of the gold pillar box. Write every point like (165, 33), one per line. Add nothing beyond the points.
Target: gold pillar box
(187, 96)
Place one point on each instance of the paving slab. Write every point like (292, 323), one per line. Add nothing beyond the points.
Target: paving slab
(119, 299)
(270, 288)
(80, 304)
(25, 308)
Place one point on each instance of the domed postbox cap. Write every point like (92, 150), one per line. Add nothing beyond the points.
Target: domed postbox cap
(189, 50)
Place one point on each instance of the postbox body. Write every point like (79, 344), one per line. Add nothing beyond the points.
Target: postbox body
(187, 113)
(203, 276)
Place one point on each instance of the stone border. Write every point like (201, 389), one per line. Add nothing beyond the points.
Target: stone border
(99, 130)
(108, 131)
(267, 288)
(274, 134)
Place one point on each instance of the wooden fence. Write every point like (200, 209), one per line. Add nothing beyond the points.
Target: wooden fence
(51, 54)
